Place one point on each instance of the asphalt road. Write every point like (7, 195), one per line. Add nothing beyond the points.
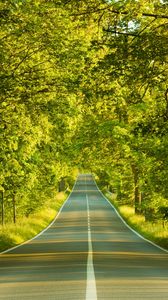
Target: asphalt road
(88, 253)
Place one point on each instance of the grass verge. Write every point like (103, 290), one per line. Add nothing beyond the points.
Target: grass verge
(26, 228)
(153, 231)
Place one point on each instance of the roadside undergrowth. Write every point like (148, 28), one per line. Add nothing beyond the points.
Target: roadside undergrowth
(153, 231)
(26, 228)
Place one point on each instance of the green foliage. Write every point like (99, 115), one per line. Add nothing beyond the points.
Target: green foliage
(40, 68)
(124, 130)
(83, 86)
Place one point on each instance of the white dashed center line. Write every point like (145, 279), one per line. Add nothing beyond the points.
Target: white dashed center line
(91, 293)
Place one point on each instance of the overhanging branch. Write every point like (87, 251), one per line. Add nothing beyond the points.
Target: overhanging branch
(119, 12)
(143, 14)
(118, 32)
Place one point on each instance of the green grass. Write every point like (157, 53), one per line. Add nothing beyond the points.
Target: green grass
(153, 231)
(26, 228)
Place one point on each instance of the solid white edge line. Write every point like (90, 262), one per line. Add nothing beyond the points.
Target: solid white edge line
(41, 232)
(138, 234)
(91, 291)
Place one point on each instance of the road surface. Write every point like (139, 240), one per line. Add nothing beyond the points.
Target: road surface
(87, 254)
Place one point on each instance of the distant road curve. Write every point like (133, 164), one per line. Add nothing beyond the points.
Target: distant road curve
(88, 253)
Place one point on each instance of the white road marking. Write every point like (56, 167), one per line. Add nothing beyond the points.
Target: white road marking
(138, 234)
(91, 292)
(57, 215)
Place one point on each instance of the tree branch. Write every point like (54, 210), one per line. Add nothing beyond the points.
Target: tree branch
(117, 32)
(119, 12)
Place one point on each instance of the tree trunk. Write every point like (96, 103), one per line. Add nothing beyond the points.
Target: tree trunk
(14, 209)
(166, 98)
(2, 208)
(137, 192)
(61, 186)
